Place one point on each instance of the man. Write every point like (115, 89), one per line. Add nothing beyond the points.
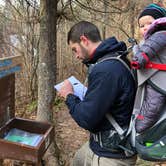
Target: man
(111, 89)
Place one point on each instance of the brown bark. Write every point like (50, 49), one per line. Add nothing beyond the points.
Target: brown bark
(47, 69)
(47, 60)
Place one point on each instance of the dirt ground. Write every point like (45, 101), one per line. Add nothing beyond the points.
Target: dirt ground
(69, 135)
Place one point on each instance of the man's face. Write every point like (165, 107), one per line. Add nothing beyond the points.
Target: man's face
(79, 51)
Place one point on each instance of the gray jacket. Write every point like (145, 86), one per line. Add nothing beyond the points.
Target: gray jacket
(155, 48)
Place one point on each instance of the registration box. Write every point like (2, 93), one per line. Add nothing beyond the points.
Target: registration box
(16, 148)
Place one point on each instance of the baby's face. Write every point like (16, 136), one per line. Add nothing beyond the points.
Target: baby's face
(144, 23)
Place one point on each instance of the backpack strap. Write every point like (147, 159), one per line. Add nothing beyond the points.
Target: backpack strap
(114, 56)
(121, 132)
(119, 58)
(152, 65)
(116, 126)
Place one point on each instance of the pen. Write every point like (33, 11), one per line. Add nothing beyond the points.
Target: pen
(75, 83)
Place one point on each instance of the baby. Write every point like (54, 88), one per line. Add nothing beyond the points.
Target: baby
(150, 60)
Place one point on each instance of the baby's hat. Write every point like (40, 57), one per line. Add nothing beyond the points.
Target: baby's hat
(153, 10)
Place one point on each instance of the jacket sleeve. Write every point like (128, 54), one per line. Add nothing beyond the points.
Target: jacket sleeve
(150, 48)
(102, 92)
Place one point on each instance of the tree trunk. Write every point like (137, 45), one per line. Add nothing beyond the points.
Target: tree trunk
(47, 60)
(47, 69)
(132, 18)
(105, 18)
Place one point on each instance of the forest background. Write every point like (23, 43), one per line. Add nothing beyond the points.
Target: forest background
(37, 30)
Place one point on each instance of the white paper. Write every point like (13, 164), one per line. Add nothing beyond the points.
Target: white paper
(78, 87)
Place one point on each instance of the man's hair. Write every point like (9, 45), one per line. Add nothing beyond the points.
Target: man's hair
(83, 28)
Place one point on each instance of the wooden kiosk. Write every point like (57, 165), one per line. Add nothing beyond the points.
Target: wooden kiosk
(17, 150)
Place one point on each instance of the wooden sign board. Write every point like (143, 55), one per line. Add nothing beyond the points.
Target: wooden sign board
(10, 65)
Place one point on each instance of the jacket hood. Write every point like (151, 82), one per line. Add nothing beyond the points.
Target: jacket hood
(110, 45)
(157, 25)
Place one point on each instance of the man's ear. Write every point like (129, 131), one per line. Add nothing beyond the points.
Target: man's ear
(84, 39)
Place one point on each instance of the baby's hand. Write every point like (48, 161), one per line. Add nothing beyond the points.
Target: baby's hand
(139, 60)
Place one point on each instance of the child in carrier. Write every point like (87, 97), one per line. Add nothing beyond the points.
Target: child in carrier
(150, 60)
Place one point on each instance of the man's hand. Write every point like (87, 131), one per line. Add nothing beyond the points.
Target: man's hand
(66, 89)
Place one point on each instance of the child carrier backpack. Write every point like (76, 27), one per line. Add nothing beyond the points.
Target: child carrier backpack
(149, 145)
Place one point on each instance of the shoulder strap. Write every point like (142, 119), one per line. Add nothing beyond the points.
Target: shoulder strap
(109, 57)
(110, 118)
(116, 126)
(113, 122)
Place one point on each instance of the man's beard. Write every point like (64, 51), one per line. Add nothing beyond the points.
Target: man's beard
(86, 56)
